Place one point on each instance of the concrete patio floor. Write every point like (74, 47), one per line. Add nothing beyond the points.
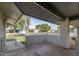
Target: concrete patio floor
(42, 49)
(13, 45)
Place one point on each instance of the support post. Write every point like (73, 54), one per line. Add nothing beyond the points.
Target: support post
(77, 42)
(64, 33)
(2, 34)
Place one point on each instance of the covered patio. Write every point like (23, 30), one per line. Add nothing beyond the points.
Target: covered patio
(62, 13)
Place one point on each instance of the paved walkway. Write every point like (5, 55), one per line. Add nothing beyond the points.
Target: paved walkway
(43, 49)
(13, 45)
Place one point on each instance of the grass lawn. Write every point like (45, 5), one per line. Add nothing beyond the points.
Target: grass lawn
(19, 38)
(9, 36)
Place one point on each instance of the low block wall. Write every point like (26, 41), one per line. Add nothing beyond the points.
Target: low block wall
(53, 38)
(36, 38)
(43, 37)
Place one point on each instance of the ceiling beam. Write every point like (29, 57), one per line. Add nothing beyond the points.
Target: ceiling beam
(74, 17)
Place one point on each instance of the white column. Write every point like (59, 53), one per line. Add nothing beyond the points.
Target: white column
(77, 42)
(2, 34)
(64, 33)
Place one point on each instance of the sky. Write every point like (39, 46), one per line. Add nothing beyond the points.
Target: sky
(35, 21)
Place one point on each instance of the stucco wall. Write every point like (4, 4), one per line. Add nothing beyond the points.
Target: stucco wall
(2, 33)
(2, 26)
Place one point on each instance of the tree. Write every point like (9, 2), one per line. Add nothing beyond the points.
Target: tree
(21, 24)
(38, 26)
(31, 30)
(43, 27)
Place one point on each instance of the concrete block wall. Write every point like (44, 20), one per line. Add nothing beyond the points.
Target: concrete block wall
(44, 37)
(53, 38)
(36, 38)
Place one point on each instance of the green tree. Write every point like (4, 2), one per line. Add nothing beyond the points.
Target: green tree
(22, 22)
(38, 26)
(43, 27)
(31, 30)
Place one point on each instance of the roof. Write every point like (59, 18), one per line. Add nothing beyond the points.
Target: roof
(53, 12)
(11, 12)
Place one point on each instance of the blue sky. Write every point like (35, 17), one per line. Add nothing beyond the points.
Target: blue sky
(35, 21)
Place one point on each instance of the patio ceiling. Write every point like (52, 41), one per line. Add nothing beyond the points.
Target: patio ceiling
(37, 11)
(53, 12)
(63, 9)
(11, 12)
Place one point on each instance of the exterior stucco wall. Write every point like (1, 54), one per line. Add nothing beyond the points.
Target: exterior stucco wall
(74, 34)
(2, 33)
(77, 43)
(2, 25)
